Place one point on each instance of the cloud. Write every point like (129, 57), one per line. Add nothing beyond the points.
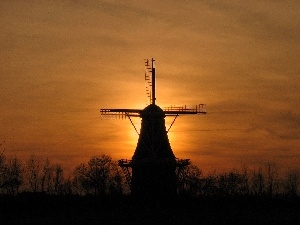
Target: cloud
(63, 60)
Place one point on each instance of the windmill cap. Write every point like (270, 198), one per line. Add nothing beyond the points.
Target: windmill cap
(152, 111)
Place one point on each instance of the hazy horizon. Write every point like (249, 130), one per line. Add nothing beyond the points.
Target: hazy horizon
(61, 61)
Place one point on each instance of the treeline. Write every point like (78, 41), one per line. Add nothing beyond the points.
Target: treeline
(102, 176)
(263, 181)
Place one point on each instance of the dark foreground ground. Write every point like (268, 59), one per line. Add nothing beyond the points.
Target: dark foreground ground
(125, 210)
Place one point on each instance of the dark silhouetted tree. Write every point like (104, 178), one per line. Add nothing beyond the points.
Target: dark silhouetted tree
(258, 182)
(2, 171)
(210, 185)
(116, 180)
(271, 179)
(13, 176)
(191, 181)
(246, 180)
(98, 173)
(10, 175)
(231, 184)
(58, 180)
(292, 182)
(80, 181)
(33, 170)
(98, 177)
(67, 186)
(47, 177)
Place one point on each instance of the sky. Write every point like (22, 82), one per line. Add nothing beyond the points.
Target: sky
(62, 61)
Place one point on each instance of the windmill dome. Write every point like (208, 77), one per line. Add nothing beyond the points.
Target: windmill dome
(152, 111)
(153, 141)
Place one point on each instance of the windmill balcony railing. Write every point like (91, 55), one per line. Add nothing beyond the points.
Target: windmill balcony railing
(178, 163)
(182, 162)
(125, 162)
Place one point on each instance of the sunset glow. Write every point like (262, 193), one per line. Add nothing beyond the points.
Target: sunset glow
(61, 61)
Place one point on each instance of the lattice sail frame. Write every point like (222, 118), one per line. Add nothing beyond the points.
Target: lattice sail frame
(168, 111)
(148, 80)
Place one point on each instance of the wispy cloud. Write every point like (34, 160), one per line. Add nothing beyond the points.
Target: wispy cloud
(63, 60)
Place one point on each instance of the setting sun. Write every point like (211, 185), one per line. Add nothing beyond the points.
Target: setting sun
(62, 62)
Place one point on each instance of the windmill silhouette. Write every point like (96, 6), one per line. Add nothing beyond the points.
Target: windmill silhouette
(153, 170)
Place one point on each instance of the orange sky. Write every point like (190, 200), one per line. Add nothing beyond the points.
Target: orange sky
(61, 61)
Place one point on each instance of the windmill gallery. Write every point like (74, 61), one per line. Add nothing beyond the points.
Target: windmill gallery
(153, 170)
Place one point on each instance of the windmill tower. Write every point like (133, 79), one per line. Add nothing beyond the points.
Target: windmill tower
(153, 170)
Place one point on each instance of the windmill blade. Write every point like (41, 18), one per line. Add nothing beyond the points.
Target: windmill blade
(120, 113)
(175, 110)
(148, 81)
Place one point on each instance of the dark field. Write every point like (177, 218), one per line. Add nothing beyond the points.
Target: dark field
(126, 210)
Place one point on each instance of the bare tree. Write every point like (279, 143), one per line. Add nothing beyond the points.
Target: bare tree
(258, 182)
(99, 172)
(13, 176)
(2, 170)
(80, 180)
(33, 170)
(231, 184)
(47, 177)
(58, 179)
(116, 180)
(210, 185)
(191, 181)
(67, 186)
(99, 177)
(292, 182)
(10, 175)
(271, 178)
(246, 180)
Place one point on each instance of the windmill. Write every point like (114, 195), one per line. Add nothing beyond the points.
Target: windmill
(154, 169)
